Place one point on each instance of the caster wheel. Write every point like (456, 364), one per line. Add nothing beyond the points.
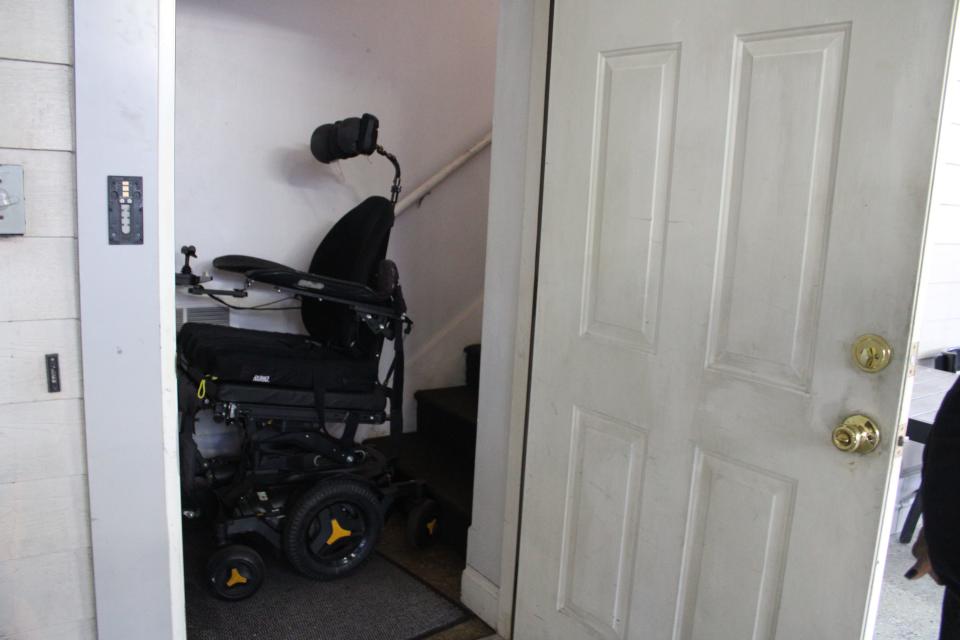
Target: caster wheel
(332, 529)
(235, 572)
(423, 524)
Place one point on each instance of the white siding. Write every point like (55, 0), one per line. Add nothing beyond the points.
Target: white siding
(45, 563)
(938, 325)
(37, 106)
(38, 30)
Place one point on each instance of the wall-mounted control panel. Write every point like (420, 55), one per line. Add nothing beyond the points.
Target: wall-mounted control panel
(125, 209)
(13, 212)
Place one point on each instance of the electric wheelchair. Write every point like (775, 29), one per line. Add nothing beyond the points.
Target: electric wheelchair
(314, 494)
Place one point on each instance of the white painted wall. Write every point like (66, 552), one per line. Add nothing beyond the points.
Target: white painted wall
(45, 565)
(124, 55)
(253, 81)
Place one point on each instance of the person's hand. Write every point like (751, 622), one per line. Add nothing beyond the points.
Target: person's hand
(922, 566)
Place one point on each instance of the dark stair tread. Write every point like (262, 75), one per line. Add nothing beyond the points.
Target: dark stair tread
(449, 478)
(459, 402)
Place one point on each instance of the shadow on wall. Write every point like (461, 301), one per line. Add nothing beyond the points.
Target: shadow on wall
(297, 167)
(312, 181)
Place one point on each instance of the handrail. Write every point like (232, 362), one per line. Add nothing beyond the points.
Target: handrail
(420, 192)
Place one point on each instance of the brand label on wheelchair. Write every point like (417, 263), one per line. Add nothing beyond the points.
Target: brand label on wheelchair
(310, 284)
(261, 378)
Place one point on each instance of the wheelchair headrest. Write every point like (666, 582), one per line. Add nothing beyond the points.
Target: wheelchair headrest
(345, 138)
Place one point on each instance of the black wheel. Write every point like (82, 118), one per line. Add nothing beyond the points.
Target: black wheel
(423, 524)
(333, 528)
(235, 572)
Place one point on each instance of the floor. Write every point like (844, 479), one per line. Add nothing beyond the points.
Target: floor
(909, 609)
(440, 567)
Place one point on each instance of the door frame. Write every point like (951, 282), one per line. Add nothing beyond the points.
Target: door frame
(124, 118)
(529, 227)
(147, 69)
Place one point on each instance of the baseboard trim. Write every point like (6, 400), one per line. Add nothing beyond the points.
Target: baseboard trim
(480, 596)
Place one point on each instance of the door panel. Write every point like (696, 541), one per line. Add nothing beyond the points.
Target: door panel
(605, 472)
(738, 534)
(633, 135)
(786, 89)
(733, 192)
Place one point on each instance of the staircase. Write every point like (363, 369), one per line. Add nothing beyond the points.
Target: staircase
(441, 451)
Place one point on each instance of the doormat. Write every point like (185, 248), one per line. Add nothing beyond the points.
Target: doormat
(381, 601)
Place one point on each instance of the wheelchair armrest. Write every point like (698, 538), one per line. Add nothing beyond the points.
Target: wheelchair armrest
(316, 286)
(245, 264)
(313, 285)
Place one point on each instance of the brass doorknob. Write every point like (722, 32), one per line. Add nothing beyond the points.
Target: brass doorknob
(872, 353)
(857, 434)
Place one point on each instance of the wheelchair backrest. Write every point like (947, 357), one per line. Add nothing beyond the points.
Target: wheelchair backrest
(352, 250)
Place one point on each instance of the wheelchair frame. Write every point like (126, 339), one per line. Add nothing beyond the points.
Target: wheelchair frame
(286, 446)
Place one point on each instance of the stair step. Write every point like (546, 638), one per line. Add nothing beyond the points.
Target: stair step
(448, 416)
(458, 402)
(449, 480)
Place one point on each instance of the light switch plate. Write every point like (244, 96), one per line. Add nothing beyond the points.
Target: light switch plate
(13, 211)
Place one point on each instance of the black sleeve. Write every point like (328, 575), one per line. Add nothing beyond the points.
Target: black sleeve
(941, 485)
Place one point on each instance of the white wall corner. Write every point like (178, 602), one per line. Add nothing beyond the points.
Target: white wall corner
(480, 596)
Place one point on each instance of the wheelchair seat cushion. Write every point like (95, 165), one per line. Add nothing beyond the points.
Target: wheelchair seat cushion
(266, 357)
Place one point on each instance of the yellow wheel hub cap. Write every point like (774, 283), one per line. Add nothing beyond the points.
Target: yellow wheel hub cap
(431, 526)
(338, 532)
(235, 578)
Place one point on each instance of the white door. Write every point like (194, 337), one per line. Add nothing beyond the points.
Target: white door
(734, 191)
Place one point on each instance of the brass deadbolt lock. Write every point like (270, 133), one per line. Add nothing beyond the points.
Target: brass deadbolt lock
(871, 353)
(857, 434)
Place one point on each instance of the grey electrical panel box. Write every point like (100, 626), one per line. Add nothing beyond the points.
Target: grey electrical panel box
(125, 209)
(13, 212)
